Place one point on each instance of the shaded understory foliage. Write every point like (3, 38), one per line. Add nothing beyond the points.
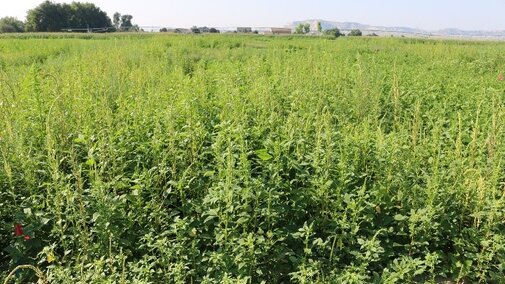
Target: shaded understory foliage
(225, 159)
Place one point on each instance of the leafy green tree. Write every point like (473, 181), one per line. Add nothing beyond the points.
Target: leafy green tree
(47, 17)
(116, 20)
(126, 22)
(11, 25)
(333, 32)
(302, 28)
(299, 29)
(195, 30)
(355, 32)
(53, 17)
(306, 28)
(84, 15)
(319, 27)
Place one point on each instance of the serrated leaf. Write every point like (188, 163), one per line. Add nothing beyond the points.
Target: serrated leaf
(90, 162)
(208, 174)
(80, 139)
(95, 216)
(399, 217)
(208, 219)
(27, 211)
(263, 154)
(50, 257)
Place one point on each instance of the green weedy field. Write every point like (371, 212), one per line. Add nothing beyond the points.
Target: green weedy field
(249, 159)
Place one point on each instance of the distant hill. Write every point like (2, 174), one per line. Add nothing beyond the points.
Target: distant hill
(406, 31)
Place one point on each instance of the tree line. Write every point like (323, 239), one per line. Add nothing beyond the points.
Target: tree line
(56, 17)
(304, 28)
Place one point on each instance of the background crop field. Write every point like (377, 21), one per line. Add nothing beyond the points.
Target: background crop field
(226, 159)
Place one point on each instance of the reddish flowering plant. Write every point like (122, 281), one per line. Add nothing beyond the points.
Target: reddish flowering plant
(18, 232)
(501, 77)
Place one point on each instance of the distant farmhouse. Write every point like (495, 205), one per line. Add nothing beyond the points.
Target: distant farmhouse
(168, 30)
(183, 31)
(244, 30)
(278, 31)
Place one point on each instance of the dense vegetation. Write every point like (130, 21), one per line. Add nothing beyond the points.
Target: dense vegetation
(225, 159)
(75, 17)
(54, 17)
(11, 25)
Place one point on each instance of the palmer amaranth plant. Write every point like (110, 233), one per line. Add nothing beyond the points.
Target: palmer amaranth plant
(249, 159)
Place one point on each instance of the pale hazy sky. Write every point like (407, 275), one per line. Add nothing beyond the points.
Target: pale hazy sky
(424, 14)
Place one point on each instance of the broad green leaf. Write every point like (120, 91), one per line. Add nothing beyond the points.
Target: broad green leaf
(263, 154)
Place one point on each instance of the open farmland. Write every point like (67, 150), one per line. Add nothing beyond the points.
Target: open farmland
(242, 159)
